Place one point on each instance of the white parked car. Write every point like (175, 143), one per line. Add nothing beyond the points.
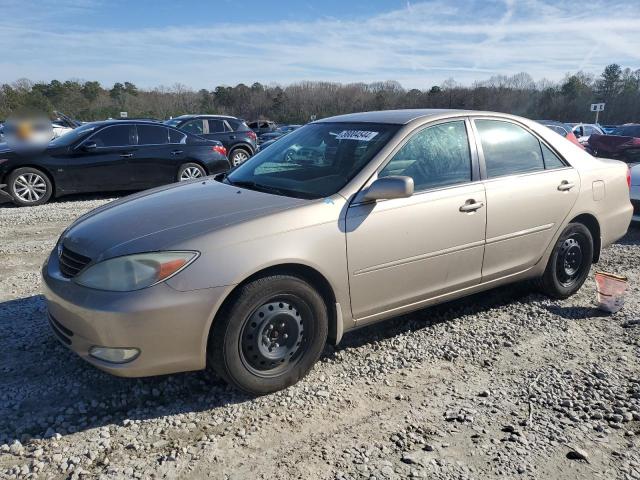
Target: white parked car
(583, 131)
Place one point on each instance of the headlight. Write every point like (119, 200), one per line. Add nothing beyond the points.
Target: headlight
(133, 272)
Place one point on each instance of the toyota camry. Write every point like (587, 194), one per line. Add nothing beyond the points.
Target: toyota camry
(375, 215)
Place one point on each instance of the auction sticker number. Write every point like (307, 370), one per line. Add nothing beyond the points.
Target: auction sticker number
(361, 135)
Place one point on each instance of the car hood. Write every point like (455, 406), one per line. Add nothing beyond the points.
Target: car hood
(161, 218)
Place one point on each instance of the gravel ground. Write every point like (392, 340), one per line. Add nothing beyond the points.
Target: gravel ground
(505, 384)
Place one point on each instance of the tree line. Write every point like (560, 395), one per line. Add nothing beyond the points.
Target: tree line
(567, 100)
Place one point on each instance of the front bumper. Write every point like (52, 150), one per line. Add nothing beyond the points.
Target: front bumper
(169, 327)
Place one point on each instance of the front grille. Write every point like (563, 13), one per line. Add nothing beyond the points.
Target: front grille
(72, 263)
(62, 332)
(636, 206)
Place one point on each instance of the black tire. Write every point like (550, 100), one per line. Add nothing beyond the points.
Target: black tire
(569, 263)
(243, 334)
(190, 171)
(29, 187)
(238, 156)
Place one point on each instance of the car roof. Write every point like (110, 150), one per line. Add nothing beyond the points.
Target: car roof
(195, 115)
(121, 121)
(398, 117)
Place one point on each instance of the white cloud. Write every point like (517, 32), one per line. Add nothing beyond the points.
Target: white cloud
(419, 45)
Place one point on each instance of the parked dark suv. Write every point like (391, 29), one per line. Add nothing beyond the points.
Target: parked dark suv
(263, 126)
(239, 140)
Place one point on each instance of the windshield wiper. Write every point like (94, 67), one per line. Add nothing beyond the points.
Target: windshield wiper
(251, 185)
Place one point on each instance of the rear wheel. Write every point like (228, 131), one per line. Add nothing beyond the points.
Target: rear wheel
(270, 336)
(569, 263)
(238, 156)
(189, 171)
(29, 186)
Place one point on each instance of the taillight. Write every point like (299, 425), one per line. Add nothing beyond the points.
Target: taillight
(252, 135)
(220, 149)
(629, 177)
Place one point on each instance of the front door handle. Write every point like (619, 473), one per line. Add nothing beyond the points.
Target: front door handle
(176, 152)
(126, 155)
(566, 185)
(471, 206)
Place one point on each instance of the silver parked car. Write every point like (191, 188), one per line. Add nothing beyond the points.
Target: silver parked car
(376, 214)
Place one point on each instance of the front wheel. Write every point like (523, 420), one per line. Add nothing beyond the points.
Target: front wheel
(29, 187)
(270, 335)
(569, 262)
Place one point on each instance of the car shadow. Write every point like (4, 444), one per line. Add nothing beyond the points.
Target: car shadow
(436, 314)
(576, 313)
(48, 389)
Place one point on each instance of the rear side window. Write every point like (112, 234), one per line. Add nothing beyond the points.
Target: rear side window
(152, 135)
(176, 136)
(114, 136)
(193, 126)
(237, 125)
(434, 157)
(508, 149)
(551, 160)
(216, 126)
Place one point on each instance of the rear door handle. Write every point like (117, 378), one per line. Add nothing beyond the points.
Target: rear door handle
(566, 185)
(126, 155)
(232, 137)
(471, 206)
(176, 152)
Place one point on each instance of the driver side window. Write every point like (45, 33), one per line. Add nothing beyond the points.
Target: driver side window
(437, 156)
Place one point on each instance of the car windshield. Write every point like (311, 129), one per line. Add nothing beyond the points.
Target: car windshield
(314, 161)
(73, 136)
(627, 131)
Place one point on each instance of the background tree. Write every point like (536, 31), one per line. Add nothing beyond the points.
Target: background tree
(567, 100)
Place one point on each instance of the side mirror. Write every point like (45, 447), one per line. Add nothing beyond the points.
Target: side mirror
(386, 188)
(88, 146)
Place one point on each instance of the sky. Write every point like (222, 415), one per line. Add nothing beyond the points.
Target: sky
(226, 42)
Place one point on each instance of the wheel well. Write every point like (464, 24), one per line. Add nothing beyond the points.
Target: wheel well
(592, 224)
(197, 162)
(241, 146)
(310, 275)
(40, 169)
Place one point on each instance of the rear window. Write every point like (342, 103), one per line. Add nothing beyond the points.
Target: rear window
(152, 135)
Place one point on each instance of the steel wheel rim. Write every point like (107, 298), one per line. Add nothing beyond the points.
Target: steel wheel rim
(30, 187)
(190, 173)
(239, 157)
(274, 336)
(570, 262)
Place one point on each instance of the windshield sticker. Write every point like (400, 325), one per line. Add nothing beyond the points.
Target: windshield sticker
(361, 135)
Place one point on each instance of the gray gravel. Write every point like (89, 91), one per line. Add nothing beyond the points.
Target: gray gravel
(506, 384)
